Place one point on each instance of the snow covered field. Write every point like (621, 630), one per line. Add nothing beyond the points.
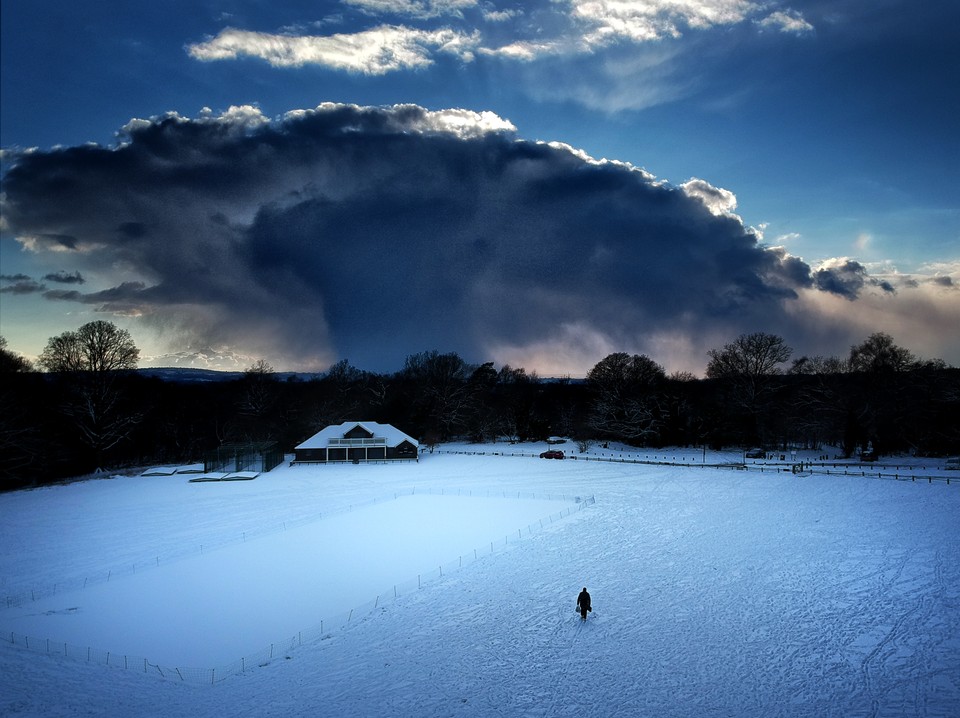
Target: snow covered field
(215, 607)
(716, 592)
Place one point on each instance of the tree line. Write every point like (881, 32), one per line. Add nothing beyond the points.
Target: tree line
(84, 407)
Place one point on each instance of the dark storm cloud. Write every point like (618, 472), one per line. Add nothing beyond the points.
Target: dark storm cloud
(65, 277)
(373, 233)
(133, 230)
(129, 296)
(846, 278)
(19, 284)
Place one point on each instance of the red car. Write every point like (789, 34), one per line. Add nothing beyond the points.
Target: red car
(552, 454)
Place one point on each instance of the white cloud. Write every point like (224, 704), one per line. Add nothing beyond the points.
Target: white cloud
(407, 118)
(245, 117)
(786, 21)
(376, 51)
(647, 20)
(466, 123)
(721, 202)
(501, 15)
(413, 8)
(525, 50)
(625, 79)
(788, 237)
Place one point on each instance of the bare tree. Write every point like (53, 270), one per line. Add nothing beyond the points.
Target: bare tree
(818, 366)
(749, 355)
(626, 395)
(885, 391)
(518, 402)
(90, 361)
(443, 397)
(11, 362)
(747, 365)
(19, 445)
(257, 402)
(879, 354)
(259, 393)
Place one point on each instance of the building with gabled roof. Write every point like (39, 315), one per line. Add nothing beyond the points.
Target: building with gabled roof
(357, 441)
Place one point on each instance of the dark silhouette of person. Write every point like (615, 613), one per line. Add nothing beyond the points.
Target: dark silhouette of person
(583, 604)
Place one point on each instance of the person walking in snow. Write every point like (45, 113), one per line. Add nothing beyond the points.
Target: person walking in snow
(583, 604)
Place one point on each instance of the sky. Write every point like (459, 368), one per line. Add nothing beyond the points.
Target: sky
(536, 184)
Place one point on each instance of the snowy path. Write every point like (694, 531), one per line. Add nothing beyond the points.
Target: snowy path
(716, 593)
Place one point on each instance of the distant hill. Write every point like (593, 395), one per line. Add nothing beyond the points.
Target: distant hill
(189, 375)
(192, 375)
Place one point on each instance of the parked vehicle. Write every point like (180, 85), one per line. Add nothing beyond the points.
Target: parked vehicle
(552, 454)
(755, 454)
(952, 464)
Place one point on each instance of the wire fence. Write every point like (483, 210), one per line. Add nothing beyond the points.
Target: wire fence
(895, 472)
(326, 626)
(36, 593)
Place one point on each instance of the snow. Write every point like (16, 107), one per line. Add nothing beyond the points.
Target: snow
(288, 580)
(716, 592)
(388, 432)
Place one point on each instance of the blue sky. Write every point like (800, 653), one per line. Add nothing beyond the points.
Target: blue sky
(821, 139)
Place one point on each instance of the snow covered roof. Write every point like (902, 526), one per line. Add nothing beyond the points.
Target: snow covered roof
(393, 435)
